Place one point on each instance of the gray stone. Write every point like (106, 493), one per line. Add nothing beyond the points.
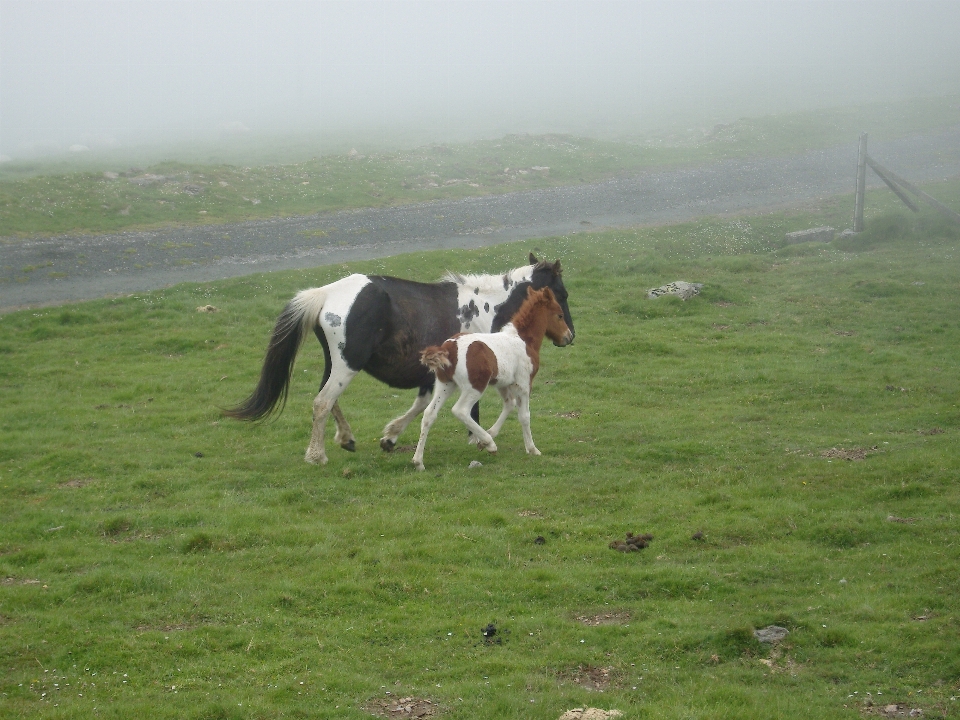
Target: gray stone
(818, 234)
(771, 634)
(848, 233)
(684, 290)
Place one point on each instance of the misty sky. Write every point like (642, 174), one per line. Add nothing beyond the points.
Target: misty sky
(136, 71)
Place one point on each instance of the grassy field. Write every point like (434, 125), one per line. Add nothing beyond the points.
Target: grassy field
(51, 198)
(789, 438)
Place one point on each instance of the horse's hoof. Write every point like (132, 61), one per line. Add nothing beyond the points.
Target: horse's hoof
(349, 446)
(314, 460)
(419, 466)
(387, 445)
(533, 452)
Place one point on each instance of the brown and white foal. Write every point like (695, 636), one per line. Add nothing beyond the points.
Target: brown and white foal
(508, 359)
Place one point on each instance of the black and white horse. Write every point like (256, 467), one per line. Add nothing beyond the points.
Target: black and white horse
(380, 324)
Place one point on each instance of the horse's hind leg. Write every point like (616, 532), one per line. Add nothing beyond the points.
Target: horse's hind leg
(344, 436)
(396, 426)
(323, 404)
(440, 394)
(461, 409)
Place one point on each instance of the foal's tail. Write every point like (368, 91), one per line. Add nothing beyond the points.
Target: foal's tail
(438, 361)
(298, 318)
(435, 357)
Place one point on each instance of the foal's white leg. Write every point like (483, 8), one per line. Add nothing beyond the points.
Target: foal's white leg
(509, 402)
(441, 391)
(323, 404)
(461, 409)
(396, 426)
(523, 412)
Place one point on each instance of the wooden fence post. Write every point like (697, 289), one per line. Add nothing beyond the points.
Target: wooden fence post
(861, 184)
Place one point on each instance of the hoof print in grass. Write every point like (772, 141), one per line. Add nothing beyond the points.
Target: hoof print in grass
(198, 454)
(698, 536)
(541, 540)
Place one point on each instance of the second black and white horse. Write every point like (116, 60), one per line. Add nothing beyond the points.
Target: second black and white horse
(380, 324)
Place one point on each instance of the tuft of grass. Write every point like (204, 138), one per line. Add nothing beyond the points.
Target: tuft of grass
(789, 438)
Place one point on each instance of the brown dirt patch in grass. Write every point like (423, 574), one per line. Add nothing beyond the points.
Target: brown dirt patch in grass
(891, 710)
(846, 453)
(76, 482)
(406, 707)
(590, 677)
(618, 617)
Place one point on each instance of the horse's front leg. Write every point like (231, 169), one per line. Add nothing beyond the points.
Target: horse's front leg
(509, 403)
(523, 413)
(323, 404)
(396, 426)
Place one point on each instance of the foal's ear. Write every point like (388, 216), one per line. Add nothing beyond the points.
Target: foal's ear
(533, 259)
(556, 268)
(530, 291)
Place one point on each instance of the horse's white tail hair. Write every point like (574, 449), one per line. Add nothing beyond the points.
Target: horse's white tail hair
(304, 310)
(435, 358)
(297, 320)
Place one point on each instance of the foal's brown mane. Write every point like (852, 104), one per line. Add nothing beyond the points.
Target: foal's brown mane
(528, 314)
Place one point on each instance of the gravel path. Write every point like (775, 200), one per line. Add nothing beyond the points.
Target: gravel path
(71, 268)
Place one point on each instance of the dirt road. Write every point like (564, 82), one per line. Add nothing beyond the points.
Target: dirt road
(71, 268)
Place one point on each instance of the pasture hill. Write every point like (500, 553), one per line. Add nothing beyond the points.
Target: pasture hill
(788, 438)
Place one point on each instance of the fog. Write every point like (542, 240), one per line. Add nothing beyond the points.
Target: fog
(98, 75)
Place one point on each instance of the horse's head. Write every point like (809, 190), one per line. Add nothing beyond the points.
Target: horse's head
(549, 275)
(556, 325)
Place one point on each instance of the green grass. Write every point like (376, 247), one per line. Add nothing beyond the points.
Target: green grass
(159, 560)
(43, 199)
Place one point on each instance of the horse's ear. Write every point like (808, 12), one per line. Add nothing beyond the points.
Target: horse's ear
(556, 268)
(533, 259)
(530, 291)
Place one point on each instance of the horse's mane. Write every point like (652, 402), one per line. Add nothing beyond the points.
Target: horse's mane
(539, 298)
(488, 283)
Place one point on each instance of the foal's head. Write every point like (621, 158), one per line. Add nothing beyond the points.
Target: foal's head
(541, 309)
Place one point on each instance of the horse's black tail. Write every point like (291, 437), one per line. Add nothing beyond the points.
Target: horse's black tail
(297, 319)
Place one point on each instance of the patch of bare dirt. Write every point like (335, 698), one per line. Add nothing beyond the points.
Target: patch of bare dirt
(572, 415)
(530, 514)
(590, 714)
(589, 677)
(76, 482)
(891, 710)
(905, 521)
(406, 707)
(610, 618)
(856, 453)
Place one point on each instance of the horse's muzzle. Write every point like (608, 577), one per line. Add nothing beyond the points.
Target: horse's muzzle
(565, 340)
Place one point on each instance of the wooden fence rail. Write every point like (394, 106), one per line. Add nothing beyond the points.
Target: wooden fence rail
(895, 183)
